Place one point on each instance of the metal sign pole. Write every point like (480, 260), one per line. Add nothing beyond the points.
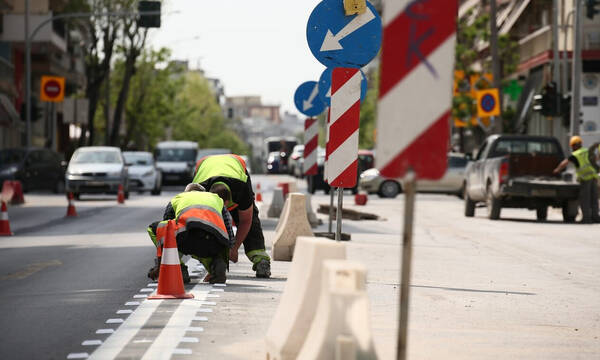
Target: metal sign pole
(407, 235)
(338, 216)
(331, 191)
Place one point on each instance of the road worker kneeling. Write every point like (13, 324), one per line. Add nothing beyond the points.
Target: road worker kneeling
(203, 231)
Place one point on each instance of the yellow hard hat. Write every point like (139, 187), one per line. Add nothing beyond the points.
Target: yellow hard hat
(575, 140)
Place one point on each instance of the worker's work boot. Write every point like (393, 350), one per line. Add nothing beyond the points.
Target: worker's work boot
(155, 271)
(185, 274)
(218, 269)
(263, 269)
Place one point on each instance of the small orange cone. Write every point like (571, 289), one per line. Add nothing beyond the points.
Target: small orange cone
(360, 199)
(71, 212)
(4, 223)
(170, 280)
(121, 195)
(18, 197)
(258, 193)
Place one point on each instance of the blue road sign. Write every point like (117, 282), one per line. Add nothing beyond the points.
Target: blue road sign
(325, 86)
(488, 103)
(337, 40)
(307, 99)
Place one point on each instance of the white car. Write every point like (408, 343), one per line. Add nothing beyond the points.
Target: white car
(143, 173)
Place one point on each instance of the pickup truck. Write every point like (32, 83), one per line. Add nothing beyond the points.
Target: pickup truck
(515, 171)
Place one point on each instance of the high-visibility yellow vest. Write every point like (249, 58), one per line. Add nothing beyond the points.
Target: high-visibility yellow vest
(229, 166)
(200, 209)
(585, 170)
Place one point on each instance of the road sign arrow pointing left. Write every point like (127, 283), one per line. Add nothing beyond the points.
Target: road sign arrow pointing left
(332, 42)
(309, 103)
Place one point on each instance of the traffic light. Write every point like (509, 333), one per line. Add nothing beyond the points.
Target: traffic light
(151, 20)
(591, 8)
(36, 111)
(547, 102)
(565, 107)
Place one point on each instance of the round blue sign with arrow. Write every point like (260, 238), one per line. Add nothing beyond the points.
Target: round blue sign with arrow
(337, 40)
(325, 86)
(307, 100)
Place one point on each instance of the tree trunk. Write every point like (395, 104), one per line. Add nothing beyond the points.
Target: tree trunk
(122, 99)
(91, 93)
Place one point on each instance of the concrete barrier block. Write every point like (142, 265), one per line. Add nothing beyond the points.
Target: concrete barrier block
(276, 203)
(292, 223)
(293, 187)
(310, 214)
(341, 328)
(299, 300)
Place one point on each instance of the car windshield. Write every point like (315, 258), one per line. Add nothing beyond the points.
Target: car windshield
(11, 156)
(179, 155)
(96, 157)
(524, 146)
(138, 158)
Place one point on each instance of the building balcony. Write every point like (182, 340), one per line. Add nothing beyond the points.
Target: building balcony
(535, 43)
(14, 25)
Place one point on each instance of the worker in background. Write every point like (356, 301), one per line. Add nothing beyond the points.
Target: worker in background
(587, 175)
(203, 231)
(227, 176)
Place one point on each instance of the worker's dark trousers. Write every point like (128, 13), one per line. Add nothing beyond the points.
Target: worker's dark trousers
(254, 245)
(199, 243)
(588, 200)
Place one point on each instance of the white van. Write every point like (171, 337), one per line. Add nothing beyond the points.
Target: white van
(176, 160)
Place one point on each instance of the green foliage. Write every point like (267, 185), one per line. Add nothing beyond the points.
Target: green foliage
(368, 113)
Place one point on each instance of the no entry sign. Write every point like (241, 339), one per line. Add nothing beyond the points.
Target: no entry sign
(416, 87)
(52, 89)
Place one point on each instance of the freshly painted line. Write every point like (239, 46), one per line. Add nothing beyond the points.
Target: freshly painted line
(113, 345)
(146, 290)
(220, 285)
(195, 329)
(208, 303)
(216, 290)
(132, 303)
(142, 341)
(114, 321)
(105, 331)
(189, 340)
(140, 296)
(165, 343)
(124, 312)
(213, 296)
(152, 285)
(205, 310)
(91, 342)
(78, 356)
(182, 352)
(200, 318)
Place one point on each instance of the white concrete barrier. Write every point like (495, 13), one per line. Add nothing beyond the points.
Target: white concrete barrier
(341, 328)
(292, 223)
(310, 214)
(298, 303)
(276, 203)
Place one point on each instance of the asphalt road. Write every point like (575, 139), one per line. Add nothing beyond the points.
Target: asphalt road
(481, 289)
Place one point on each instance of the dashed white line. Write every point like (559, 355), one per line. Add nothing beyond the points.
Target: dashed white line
(220, 285)
(140, 296)
(152, 285)
(200, 318)
(189, 340)
(217, 290)
(142, 341)
(213, 296)
(147, 290)
(91, 342)
(182, 351)
(105, 331)
(119, 312)
(195, 329)
(78, 356)
(132, 303)
(205, 310)
(208, 303)
(114, 321)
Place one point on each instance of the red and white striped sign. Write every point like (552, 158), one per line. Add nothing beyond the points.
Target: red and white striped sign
(325, 165)
(311, 141)
(343, 127)
(415, 94)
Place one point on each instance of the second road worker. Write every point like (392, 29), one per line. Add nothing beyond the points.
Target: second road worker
(587, 175)
(227, 176)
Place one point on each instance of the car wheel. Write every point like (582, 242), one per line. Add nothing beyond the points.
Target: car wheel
(542, 213)
(493, 205)
(59, 187)
(155, 191)
(389, 189)
(469, 205)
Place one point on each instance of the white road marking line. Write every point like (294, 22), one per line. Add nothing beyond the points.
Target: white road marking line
(182, 352)
(142, 341)
(189, 340)
(78, 356)
(91, 342)
(195, 329)
(213, 296)
(124, 312)
(132, 303)
(114, 321)
(208, 303)
(115, 343)
(140, 296)
(205, 310)
(220, 285)
(152, 285)
(200, 318)
(146, 290)
(217, 290)
(105, 331)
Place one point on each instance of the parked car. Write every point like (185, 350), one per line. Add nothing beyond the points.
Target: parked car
(316, 182)
(142, 171)
(295, 157)
(516, 171)
(273, 161)
(35, 168)
(372, 182)
(97, 170)
(176, 160)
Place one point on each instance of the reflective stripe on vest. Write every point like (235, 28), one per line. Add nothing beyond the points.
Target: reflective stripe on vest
(161, 235)
(585, 170)
(204, 215)
(200, 207)
(229, 166)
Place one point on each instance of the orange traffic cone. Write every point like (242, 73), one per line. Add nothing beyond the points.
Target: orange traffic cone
(18, 197)
(4, 223)
(258, 193)
(71, 212)
(121, 195)
(170, 280)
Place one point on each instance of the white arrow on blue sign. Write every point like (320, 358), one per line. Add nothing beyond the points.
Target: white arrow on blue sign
(337, 40)
(325, 86)
(307, 100)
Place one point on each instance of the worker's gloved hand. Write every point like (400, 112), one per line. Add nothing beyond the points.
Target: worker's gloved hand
(207, 278)
(233, 254)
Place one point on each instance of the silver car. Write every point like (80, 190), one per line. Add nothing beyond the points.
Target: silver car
(97, 170)
(142, 171)
(372, 182)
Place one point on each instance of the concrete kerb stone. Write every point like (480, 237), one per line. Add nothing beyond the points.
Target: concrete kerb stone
(341, 328)
(300, 297)
(292, 223)
(276, 204)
